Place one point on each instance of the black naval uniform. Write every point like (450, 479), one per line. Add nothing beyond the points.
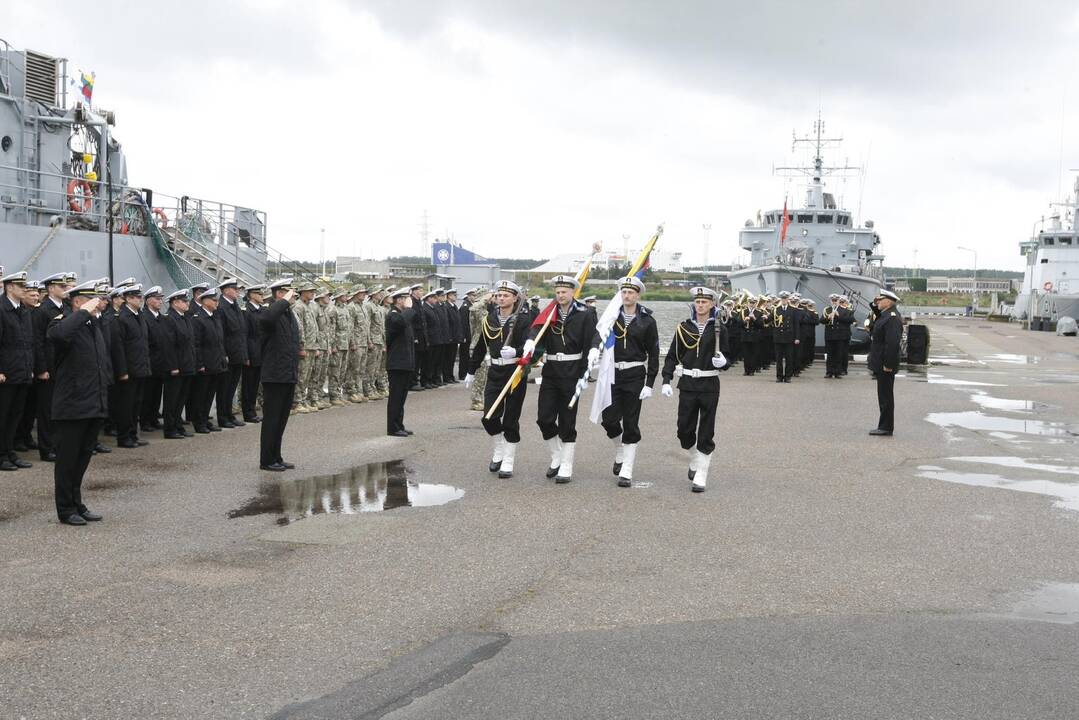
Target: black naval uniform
(400, 361)
(83, 374)
(211, 363)
(734, 332)
(449, 352)
(747, 320)
(765, 345)
(234, 334)
(884, 353)
(44, 363)
(17, 366)
(572, 335)
(836, 338)
(786, 328)
(465, 338)
(437, 337)
(419, 344)
(698, 397)
(493, 336)
(249, 388)
(130, 357)
(179, 353)
(636, 344)
(160, 366)
(279, 335)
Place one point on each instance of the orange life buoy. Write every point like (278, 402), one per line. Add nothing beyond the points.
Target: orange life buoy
(80, 195)
(164, 219)
(1047, 286)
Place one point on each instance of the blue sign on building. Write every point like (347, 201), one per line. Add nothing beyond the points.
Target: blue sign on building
(444, 253)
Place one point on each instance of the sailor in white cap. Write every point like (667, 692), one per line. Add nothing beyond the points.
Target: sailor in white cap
(502, 337)
(837, 321)
(210, 360)
(16, 366)
(249, 378)
(570, 350)
(883, 359)
(178, 351)
(130, 366)
(698, 346)
(53, 304)
(281, 341)
(161, 363)
(636, 363)
(400, 346)
(80, 360)
(786, 336)
(235, 334)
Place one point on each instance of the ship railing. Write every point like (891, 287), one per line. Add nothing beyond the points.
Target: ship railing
(5, 67)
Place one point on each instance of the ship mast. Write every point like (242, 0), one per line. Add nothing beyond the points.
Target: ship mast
(816, 174)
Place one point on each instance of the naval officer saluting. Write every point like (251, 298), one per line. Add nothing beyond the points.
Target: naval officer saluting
(280, 337)
(883, 358)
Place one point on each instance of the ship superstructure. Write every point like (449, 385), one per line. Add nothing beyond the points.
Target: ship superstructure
(1050, 288)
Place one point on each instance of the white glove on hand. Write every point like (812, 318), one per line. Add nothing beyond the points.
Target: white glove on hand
(718, 360)
(468, 380)
(507, 352)
(593, 357)
(582, 385)
(666, 390)
(646, 392)
(529, 346)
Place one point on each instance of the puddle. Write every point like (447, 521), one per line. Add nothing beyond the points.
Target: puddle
(374, 487)
(1014, 359)
(1067, 494)
(1017, 406)
(935, 379)
(1052, 602)
(1009, 461)
(954, 361)
(974, 420)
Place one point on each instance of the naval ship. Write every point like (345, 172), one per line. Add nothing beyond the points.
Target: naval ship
(815, 250)
(66, 204)
(1050, 288)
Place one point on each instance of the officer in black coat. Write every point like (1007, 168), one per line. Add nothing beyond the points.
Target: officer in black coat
(699, 345)
(400, 346)
(453, 341)
(81, 376)
(130, 365)
(210, 360)
(160, 365)
(437, 338)
(503, 335)
(837, 322)
(464, 351)
(53, 304)
(786, 336)
(570, 347)
(279, 348)
(234, 332)
(249, 383)
(883, 358)
(419, 338)
(178, 361)
(636, 364)
(808, 322)
(16, 366)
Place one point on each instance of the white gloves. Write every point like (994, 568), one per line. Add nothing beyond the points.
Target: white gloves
(507, 352)
(666, 390)
(646, 392)
(582, 385)
(529, 346)
(718, 360)
(593, 357)
(468, 380)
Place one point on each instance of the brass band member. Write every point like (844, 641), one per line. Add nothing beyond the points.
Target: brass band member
(837, 322)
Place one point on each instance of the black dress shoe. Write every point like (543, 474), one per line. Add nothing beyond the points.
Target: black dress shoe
(49, 457)
(128, 444)
(111, 432)
(73, 519)
(202, 430)
(99, 448)
(237, 423)
(91, 516)
(253, 419)
(786, 380)
(779, 379)
(213, 428)
(878, 431)
(146, 428)
(22, 464)
(226, 424)
(493, 467)
(174, 436)
(623, 482)
(20, 447)
(188, 434)
(275, 467)
(409, 432)
(417, 388)
(551, 472)
(698, 488)
(397, 433)
(142, 443)
(286, 465)
(8, 465)
(617, 468)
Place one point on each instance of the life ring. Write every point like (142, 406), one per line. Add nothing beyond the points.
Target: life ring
(1048, 286)
(162, 217)
(80, 195)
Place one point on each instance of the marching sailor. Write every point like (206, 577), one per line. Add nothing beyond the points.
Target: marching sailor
(698, 346)
(786, 334)
(636, 364)
(837, 321)
(503, 336)
(571, 349)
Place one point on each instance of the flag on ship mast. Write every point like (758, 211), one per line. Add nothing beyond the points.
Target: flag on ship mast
(785, 224)
(601, 399)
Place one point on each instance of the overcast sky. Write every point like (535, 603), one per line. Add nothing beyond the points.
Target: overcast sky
(532, 128)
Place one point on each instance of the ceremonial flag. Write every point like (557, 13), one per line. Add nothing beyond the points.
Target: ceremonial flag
(87, 88)
(602, 397)
(786, 223)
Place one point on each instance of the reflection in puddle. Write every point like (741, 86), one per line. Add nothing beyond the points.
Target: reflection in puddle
(1018, 406)
(935, 379)
(1053, 602)
(973, 420)
(1017, 462)
(368, 488)
(1067, 494)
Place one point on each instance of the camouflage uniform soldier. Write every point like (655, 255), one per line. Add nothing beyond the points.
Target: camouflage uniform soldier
(357, 353)
(383, 377)
(305, 318)
(476, 313)
(375, 356)
(315, 396)
(342, 342)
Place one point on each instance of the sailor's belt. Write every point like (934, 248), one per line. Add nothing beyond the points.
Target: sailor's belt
(628, 365)
(695, 373)
(564, 357)
(501, 360)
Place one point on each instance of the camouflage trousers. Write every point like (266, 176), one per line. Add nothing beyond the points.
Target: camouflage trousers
(374, 371)
(318, 378)
(479, 382)
(336, 380)
(303, 379)
(354, 369)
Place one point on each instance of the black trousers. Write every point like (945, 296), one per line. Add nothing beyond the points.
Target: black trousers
(12, 403)
(226, 392)
(151, 400)
(736, 347)
(418, 377)
(834, 361)
(24, 433)
(44, 416)
(623, 415)
(74, 445)
(697, 420)
(845, 357)
(249, 390)
(765, 351)
(462, 361)
(202, 395)
(886, 400)
(175, 391)
(553, 414)
(749, 355)
(276, 403)
(784, 360)
(128, 403)
(506, 420)
(448, 358)
(395, 403)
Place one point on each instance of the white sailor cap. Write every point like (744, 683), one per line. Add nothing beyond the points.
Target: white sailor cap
(34, 285)
(508, 286)
(427, 295)
(228, 282)
(565, 281)
(631, 282)
(133, 289)
(95, 288)
(260, 289)
(834, 296)
(180, 294)
(127, 281)
(439, 291)
(71, 278)
(400, 293)
(471, 291)
(451, 291)
(281, 284)
(417, 286)
(211, 294)
(154, 291)
(844, 300)
(116, 291)
(590, 298)
(888, 294)
(18, 278)
(203, 286)
(705, 293)
(55, 279)
(534, 298)
(784, 295)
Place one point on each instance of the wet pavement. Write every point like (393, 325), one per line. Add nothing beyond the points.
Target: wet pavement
(824, 573)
